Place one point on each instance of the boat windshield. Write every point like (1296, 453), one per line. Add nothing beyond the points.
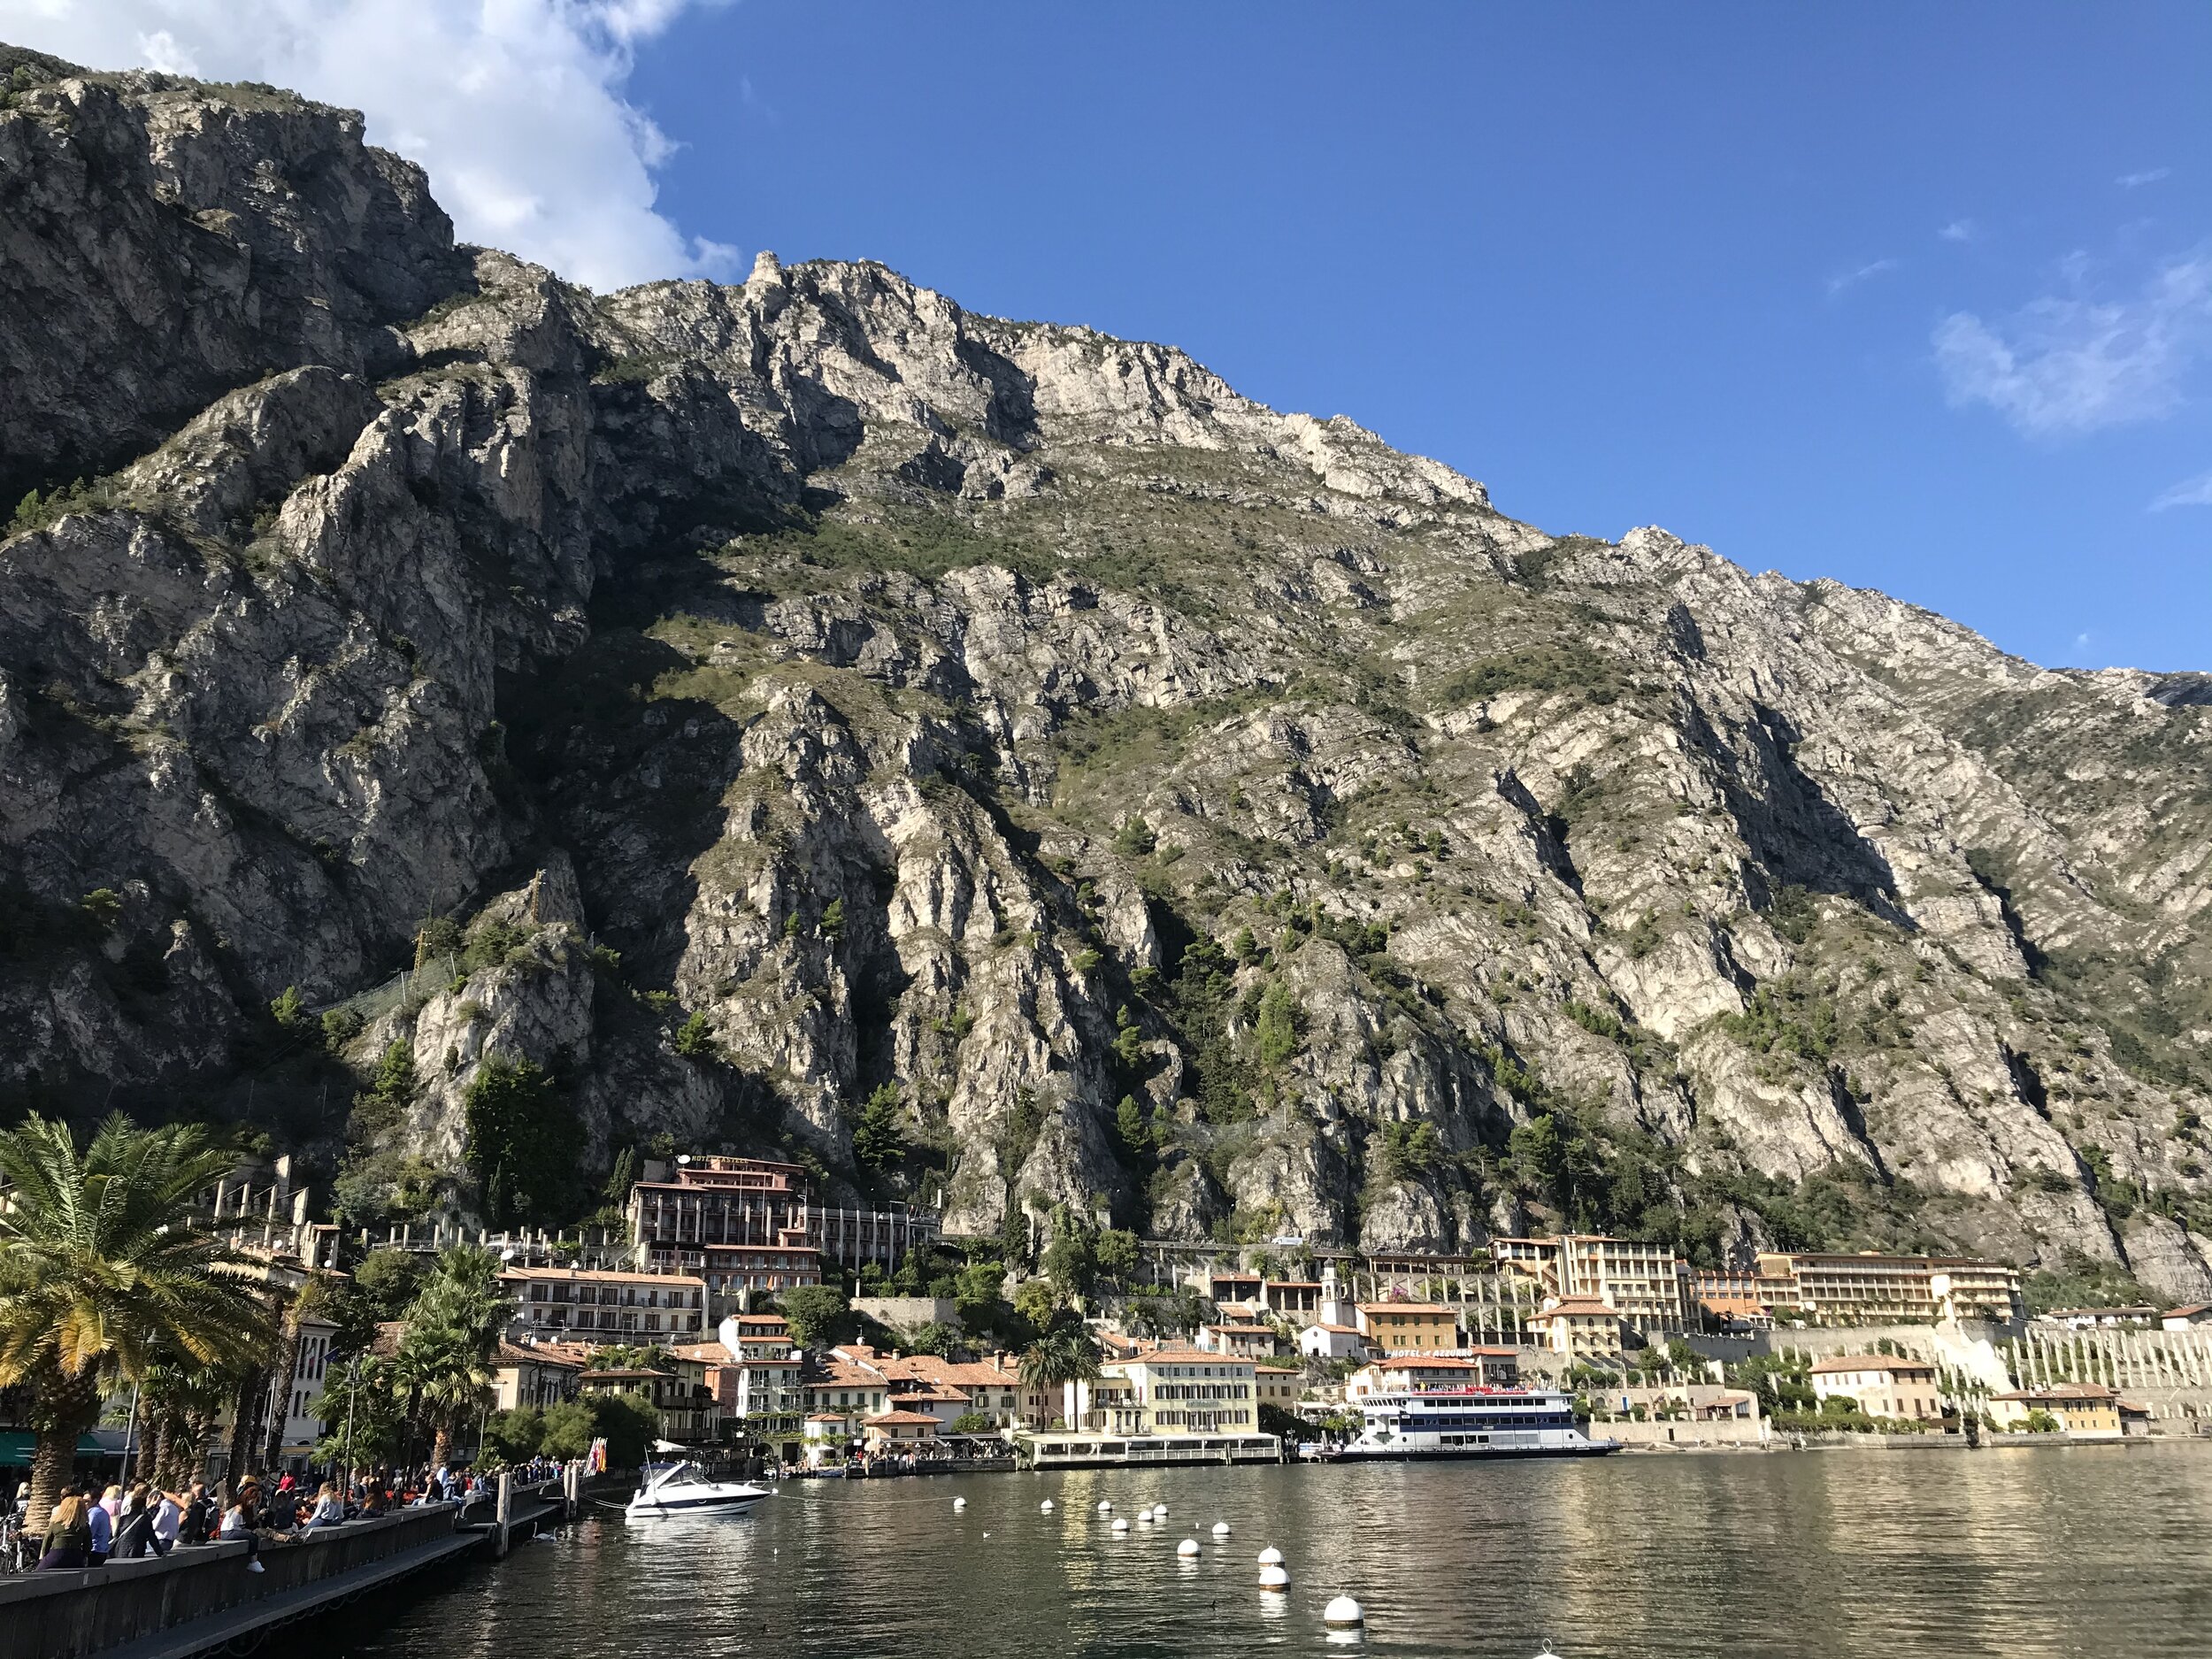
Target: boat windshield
(683, 1475)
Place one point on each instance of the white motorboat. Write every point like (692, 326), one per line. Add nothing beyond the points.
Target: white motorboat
(686, 1489)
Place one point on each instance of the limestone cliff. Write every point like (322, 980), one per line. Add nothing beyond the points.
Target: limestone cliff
(1201, 816)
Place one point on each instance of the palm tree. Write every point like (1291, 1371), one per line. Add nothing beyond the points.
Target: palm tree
(453, 1325)
(1062, 1354)
(305, 1301)
(99, 1269)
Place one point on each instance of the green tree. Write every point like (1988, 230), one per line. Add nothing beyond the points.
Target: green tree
(1035, 1301)
(834, 918)
(101, 1271)
(291, 1009)
(1117, 1254)
(973, 1423)
(1129, 1124)
(1070, 1261)
(453, 1325)
(1276, 1030)
(819, 1315)
(524, 1141)
(878, 1138)
(567, 1430)
(695, 1038)
(628, 1424)
(514, 1437)
(936, 1338)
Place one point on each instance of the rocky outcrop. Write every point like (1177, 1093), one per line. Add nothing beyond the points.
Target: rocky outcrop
(736, 703)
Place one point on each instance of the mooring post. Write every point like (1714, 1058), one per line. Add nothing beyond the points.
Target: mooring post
(506, 1509)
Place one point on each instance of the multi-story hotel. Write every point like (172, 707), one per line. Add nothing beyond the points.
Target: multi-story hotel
(1873, 1289)
(554, 1303)
(1646, 1285)
(1168, 1391)
(747, 1224)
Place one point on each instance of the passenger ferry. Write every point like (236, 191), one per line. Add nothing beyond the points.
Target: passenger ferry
(1470, 1423)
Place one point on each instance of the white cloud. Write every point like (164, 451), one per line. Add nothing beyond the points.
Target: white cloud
(2074, 363)
(1960, 230)
(2190, 492)
(515, 107)
(2137, 181)
(1852, 279)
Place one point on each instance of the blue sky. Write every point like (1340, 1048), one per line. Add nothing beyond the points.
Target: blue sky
(1916, 297)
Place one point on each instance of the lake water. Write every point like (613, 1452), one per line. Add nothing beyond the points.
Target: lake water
(2103, 1551)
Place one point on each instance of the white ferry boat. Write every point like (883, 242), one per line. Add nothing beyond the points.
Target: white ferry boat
(1472, 1423)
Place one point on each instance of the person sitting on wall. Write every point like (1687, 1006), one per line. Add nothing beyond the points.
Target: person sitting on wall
(330, 1508)
(68, 1535)
(241, 1523)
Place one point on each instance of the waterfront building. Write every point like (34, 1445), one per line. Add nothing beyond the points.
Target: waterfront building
(1880, 1384)
(1279, 1386)
(1407, 1328)
(2186, 1318)
(552, 1304)
(901, 1431)
(1734, 1303)
(2086, 1411)
(1681, 1414)
(749, 1225)
(1582, 1328)
(532, 1376)
(1331, 1341)
(1646, 1285)
(1869, 1288)
(1477, 1368)
(1168, 1391)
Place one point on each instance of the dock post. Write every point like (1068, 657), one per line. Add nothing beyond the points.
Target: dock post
(506, 1509)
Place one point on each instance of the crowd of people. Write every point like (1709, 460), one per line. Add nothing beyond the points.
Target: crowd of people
(92, 1525)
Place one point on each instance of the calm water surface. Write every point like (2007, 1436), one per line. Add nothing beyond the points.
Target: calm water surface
(2091, 1550)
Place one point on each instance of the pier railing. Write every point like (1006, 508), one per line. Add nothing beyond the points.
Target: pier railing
(206, 1589)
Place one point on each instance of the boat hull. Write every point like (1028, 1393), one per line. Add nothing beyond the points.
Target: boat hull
(1466, 1453)
(649, 1509)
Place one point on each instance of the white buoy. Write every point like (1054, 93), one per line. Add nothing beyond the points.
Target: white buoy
(1187, 1549)
(1343, 1613)
(1159, 1511)
(1105, 1507)
(1121, 1524)
(1274, 1579)
(1271, 1556)
(959, 1503)
(1045, 1507)
(1144, 1517)
(1221, 1529)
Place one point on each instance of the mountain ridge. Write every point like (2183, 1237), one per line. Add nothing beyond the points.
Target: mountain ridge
(817, 700)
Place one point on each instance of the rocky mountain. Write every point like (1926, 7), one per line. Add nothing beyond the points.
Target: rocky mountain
(766, 712)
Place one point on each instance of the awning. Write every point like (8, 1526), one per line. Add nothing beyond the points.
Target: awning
(16, 1444)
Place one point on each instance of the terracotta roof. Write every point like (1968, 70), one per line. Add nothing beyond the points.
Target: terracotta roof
(1341, 1330)
(1577, 1305)
(1868, 1362)
(2189, 1312)
(900, 1419)
(825, 1416)
(510, 1354)
(623, 1373)
(704, 1353)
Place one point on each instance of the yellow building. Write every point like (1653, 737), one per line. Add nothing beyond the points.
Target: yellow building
(1408, 1327)
(1580, 1327)
(1869, 1288)
(1277, 1386)
(1880, 1384)
(1169, 1391)
(2086, 1411)
(1647, 1285)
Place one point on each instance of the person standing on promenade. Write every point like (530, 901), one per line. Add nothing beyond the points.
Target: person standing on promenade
(102, 1523)
(134, 1527)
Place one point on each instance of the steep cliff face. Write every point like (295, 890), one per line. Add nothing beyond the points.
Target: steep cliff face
(1208, 818)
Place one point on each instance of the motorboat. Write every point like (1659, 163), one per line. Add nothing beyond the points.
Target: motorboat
(686, 1489)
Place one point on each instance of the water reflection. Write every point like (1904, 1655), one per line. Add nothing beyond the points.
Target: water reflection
(2049, 1551)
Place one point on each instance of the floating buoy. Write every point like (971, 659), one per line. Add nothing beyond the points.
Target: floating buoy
(1121, 1524)
(1221, 1529)
(1343, 1613)
(1105, 1507)
(1159, 1511)
(1045, 1507)
(1144, 1517)
(1271, 1556)
(1187, 1549)
(959, 1503)
(1274, 1579)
